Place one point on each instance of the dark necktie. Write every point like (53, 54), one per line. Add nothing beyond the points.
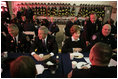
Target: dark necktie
(15, 43)
(44, 44)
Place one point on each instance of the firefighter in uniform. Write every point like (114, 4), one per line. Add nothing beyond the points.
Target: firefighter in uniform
(105, 36)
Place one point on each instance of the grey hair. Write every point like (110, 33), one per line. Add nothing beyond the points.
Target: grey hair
(107, 25)
(13, 26)
(45, 29)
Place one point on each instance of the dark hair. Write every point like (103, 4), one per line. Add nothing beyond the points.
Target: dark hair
(23, 67)
(102, 52)
(74, 29)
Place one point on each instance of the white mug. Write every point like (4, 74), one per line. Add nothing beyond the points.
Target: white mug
(5, 54)
(74, 64)
(71, 56)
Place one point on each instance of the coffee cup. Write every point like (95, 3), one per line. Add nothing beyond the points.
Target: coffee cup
(71, 56)
(74, 64)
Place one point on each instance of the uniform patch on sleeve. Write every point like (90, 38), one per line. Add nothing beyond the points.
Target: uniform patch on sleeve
(94, 37)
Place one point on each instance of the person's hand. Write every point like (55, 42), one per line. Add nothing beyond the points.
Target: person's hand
(77, 49)
(46, 57)
(74, 49)
(87, 43)
(115, 35)
(70, 74)
(115, 50)
(41, 58)
(4, 34)
(37, 57)
(84, 67)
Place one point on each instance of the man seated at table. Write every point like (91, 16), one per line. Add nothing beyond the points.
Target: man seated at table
(16, 41)
(105, 37)
(99, 56)
(44, 43)
(23, 67)
(74, 43)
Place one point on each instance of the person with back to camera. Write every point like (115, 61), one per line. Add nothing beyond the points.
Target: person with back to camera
(44, 43)
(23, 67)
(74, 43)
(99, 57)
(53, 27)
(69, 24)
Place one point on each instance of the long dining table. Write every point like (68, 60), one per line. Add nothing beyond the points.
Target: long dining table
(5, 65)
(67, 62)
(64, 65)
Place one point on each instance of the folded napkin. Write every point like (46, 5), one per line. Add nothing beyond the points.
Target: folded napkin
(81, 64)
(49, 63)
(39, 68)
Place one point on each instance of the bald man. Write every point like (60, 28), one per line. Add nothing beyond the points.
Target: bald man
(105, 37)
(99, 56)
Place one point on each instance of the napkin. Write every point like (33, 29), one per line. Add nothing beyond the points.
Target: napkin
(49, 63)
(81, 64)
(112, 63)
(87, 60)
(39, 68)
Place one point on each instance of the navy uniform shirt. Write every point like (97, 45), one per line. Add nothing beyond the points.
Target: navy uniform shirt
(96, 72)
(110, 40)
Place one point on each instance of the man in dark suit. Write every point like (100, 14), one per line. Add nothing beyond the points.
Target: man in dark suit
(44, 43)
(5, 15)
(69, 24)
(99, 56)
(16, 41)
(91, 27)
(53, 28)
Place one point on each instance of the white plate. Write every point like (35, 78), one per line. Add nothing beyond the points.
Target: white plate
(81, 64)
(39, 68)
(78, 55)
